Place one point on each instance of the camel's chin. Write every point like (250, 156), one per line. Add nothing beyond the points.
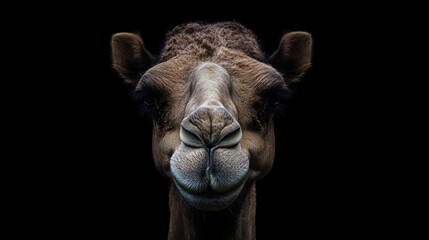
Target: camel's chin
(210, 200)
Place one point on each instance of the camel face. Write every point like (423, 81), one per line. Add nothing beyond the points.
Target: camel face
(212, 96)
(213, 127)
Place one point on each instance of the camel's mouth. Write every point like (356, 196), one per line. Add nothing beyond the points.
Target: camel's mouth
(210, 200)
(209, 180)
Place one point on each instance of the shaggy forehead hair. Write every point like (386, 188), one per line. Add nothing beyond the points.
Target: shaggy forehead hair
(202, 41)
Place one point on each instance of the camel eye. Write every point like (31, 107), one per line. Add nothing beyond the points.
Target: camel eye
(145, 98)
(275, 103)
(276, 99)
(269, 105)
(148, 103)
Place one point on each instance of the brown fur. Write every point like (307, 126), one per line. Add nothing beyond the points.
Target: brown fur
(253, 90)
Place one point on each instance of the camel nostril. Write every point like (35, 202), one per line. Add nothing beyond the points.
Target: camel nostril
(231, 139)
(230, 136)
(210, 127)
(190, 139)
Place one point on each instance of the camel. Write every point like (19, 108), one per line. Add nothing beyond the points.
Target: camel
(212, 95)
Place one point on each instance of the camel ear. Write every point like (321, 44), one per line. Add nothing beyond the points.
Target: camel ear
(293, 56)
(130, 57)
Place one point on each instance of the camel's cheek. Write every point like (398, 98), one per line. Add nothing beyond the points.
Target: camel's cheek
(163, 147)
(260, 150)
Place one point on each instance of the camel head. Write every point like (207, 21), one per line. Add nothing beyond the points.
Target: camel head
(212, 96)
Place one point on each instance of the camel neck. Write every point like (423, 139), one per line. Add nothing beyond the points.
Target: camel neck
(236, 222)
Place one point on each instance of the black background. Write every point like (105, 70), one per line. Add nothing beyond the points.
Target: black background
(105, 182)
